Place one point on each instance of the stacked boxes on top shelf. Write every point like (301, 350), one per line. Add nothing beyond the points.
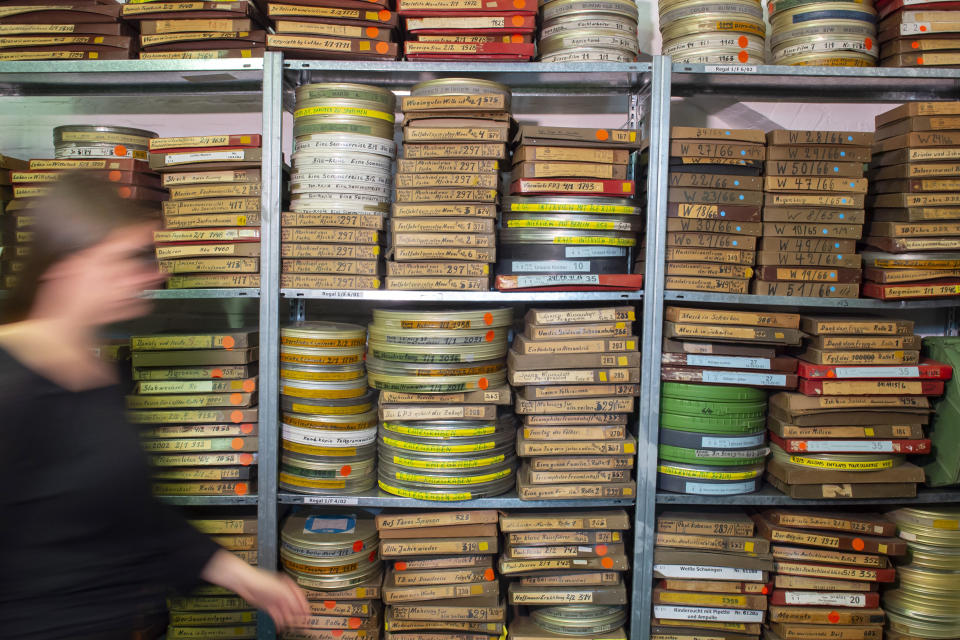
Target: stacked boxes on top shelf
(196, 30)
(211, 223)
(334, 29)
(577, 372)
(495, 30)
(11, 255)
(913, 241)
(716, 367)
(441, 234)
(914, 34)
(64, 31)
(813, 214)
(714, 200)
(863, 387)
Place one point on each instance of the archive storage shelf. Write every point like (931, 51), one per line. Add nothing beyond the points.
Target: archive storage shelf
(644, 89)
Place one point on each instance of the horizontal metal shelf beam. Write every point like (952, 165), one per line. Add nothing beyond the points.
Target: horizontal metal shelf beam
(769, 496)
(192, 501)
(193, 294)
(461, 296)
(377, 498)
(790, 302)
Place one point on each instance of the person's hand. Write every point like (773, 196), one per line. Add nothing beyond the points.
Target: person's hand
(274, 593)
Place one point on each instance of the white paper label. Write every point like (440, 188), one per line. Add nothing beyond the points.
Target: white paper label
(707, 614)
(733, 362)
(877, 372)
(594, 252)
(203, 156)
(565, 266)
(549, 281)
(858, 446)
(694, 572)
(730, 68)
(718, 488)
(908, 536)
(330, 500)
(909, 28)
(732, 443)
(825, 599)
(735, 377)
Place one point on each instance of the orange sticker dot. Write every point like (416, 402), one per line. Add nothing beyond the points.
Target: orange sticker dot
(400, 565)
(216, 373)
(345, 470)
(602, 134)
(765, 590)
(607, 562)
(516, 38)
(923, 27)
(229, 342)
(868, 43)
(236, 417)
(384, 15)
(802, 446)
(382, 47)
(857, 544)
(489, 336)
(833, 617)
(119, 150)
(372, 32)
(915, 44)
(249, 386)
(743, 56)
(743, 42)
(831, 374)
(358, 546)
(242, 488)
(246, 459)
(355, 623)
(488, 318)
(920, 60)
(236, 398)
(520, 4)
(601, 549)
(236, 444)
(114, 176)
(124, 192)
(517, 21)
(246, 428)
(483, 383)
(337, 633)
(329, 604)
(489, 575)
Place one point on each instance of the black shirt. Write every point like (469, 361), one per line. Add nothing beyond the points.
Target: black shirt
(85, 548)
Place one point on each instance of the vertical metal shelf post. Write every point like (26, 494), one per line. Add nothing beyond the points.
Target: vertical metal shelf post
(649, 416)
(269, 321)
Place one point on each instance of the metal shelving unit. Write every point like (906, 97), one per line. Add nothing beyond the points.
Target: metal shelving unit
(204, 501)
(377, 498)
(770, 497)
(832, 304)
(478, 297)
(193, 294)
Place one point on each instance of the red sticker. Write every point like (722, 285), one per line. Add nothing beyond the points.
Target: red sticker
(400, 565)
(834, 617)
(329, 604)
(228, 342)
(743, 56)
(336, 633)
(915, 44)
(372, 32)
(358, 546)
(488, 318)
(920, 60)
(490, 335)
(355, 623)
(236, 417)
(483, 383)
(743, 41)
(125, 192)
(114, 176)
(236, 444)
(868, 43)
(489, 575)
(765, 590)
(119, 150)
(216, 373)
(384, 15)
(601, 549)
(345, 470)
(236, 398)
(607, 563)
(382, 47)
(242, 488)
(246, 459)
(249, 386)
(858, 544)
(602, 134)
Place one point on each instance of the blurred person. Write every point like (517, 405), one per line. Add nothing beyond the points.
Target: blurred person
(86, 551)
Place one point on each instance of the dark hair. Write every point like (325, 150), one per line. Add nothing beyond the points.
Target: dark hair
(78, 212)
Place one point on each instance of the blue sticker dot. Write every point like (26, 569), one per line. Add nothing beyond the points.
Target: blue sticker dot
(723, 214)
(726, 133)
(843, 154)
(743, 153)
(741, 196)
(739, 227)
(836, 245)
(824, 230)
(842, 216)
(833, 288)
(736, 183)
(833, 275)
(849, 138)
(735, 243)
(843, 200)
(852, 184)
(835, 169)
(839, 256)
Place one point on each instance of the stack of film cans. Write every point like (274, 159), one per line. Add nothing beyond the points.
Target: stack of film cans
(211, 223)
(571, 219)
(442, 375)
(913, 239)
(334, 30)
(926, 599)
(328, 422)
(577, 372)
(335, 558)
(184, 30)
(713, 576)
(577, 31)
(442, 232)
(53, 31)
(714, 203)
(452, 30)
(340, 187)
(78, 141)
(854, 372)
(567, 573)
(194, 399)
(441, 583)
(813, 216)
(829, 569)
(728, 32)
(715, 368)
(12, 226)
(814, 33)
(918, 36)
